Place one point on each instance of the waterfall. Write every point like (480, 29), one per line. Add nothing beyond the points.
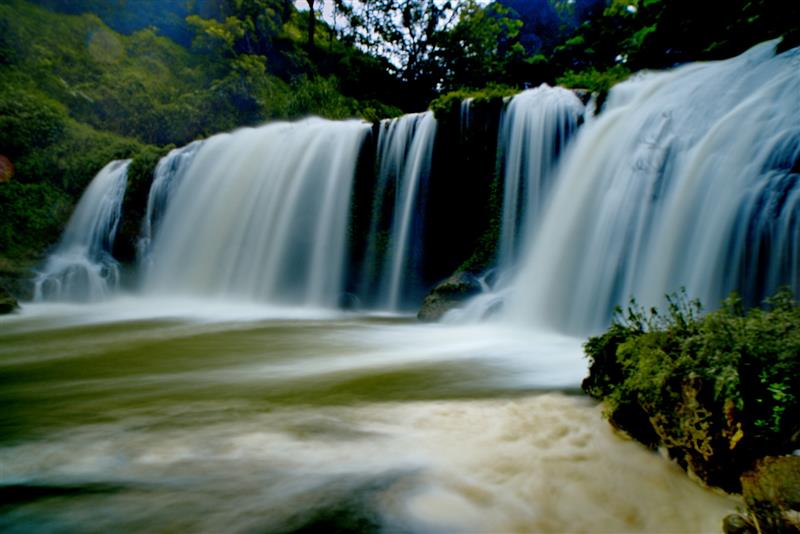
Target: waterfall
(81, 267)
(689, 178)
(534, 130)
(168, 174)
(405, 146)
(465, 118)
(261, 214)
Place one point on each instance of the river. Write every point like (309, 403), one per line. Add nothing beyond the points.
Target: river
(143, 415)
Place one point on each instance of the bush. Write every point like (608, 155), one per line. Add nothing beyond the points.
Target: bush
(28, 122)
(598, 82)
(717, 391)
(449, 104)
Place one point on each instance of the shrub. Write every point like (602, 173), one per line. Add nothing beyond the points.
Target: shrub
(717, 391)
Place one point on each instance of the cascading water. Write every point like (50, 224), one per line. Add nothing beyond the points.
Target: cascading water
(405, 146)
(689, 178)
(466, 115)
(81, 267)
(535, 128)
(534, 131)
(261, 214)
(168, 174)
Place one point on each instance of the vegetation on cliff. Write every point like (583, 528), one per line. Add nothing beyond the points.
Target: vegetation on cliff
(717, 391)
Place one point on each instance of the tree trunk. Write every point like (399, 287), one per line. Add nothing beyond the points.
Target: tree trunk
(312, 25)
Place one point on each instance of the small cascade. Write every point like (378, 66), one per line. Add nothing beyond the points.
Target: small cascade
(81, 267)
(168, 174)
(689, 178)
(466, 115)
(534, 131)
(405, 146)
(261, 214)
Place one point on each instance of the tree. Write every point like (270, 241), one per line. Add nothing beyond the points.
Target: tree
(407, 33)
(484, 45)
(312, 24)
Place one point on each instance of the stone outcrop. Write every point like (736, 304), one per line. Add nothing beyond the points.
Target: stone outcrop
(447, 295)
(8, 303)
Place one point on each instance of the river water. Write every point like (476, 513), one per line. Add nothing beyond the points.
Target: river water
(143, 415)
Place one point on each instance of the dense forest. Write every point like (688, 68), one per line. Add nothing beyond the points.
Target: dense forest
(88, 81)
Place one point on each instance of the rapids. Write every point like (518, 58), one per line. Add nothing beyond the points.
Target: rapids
(143, 415)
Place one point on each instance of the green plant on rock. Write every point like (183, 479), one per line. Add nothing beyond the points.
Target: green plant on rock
(717, 391)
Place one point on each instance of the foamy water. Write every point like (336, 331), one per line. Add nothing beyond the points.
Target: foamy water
(231, 419)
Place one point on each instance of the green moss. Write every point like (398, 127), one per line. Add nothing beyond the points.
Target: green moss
(134, 204)
(599, 82)
(449, 105)
(718, 391)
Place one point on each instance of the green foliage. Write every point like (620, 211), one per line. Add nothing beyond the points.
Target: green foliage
(141, 85)
(32, 217)
(483, 46)
(448, 106)
(244, 67)
(36, 204)
(719, 391)
(593, 80)
(661, 33)
(134, 204)
(323, 94)
(772, 494)
(598, 83)
(28, 122)
(76, 95)
(54, 157)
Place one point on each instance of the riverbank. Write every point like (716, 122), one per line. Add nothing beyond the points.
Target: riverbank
(717, 392)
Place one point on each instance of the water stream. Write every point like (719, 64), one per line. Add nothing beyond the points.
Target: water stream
(141, 415)
(81, 267)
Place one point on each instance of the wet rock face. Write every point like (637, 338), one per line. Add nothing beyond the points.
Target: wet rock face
(447, 295)
(7, 302)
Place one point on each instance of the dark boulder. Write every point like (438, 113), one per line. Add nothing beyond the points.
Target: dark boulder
(8, 303)
(448, 295)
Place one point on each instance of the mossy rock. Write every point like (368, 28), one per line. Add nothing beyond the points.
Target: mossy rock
(718, 391)
(448, 295)
(8, 303)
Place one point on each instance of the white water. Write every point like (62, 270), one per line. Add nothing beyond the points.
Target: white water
(168, 174)
(261, 214)
(143, 415)
(465, 119)
(81, 267)
(534, 131)
(405, 146)
(684, 180)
